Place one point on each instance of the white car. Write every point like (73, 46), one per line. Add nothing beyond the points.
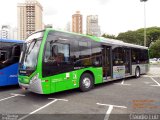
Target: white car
(152, 61)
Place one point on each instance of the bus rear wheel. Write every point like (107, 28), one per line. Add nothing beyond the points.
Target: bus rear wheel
(86, 82)
(137, 72)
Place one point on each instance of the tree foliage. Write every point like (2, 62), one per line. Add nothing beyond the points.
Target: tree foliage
(153, 34)
(137, 36)
(131, 37)
(109, 36)
(155, 49)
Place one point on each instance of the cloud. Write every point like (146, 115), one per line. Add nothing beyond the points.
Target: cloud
(102, 2)
(50, 11)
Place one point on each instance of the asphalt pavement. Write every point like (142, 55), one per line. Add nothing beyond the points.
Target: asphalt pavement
(126, 99)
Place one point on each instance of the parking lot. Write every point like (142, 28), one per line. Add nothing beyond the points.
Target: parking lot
(117, 100)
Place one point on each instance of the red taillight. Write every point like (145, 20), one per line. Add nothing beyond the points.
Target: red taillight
(46, 80)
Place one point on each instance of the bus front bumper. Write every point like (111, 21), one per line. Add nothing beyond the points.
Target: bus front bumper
(24, 86)
(34, 87)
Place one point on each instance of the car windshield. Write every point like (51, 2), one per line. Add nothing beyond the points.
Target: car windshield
(29, 56)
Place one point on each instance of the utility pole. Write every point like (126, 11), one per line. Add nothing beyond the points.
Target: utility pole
(145, 36)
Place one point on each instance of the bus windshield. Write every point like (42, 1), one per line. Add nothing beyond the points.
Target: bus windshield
(29, 56)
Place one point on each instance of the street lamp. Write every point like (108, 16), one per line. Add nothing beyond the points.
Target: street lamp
(144, 21)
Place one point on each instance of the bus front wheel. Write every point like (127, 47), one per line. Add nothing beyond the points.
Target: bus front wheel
(137, 72)
(86, 82)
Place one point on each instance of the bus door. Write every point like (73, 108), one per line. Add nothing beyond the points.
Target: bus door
(127, 61)
(106, 53)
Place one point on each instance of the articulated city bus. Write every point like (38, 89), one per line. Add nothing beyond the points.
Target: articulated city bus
(9, 57)
(54, 61)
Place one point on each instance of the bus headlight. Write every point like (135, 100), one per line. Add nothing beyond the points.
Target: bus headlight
(33, 79)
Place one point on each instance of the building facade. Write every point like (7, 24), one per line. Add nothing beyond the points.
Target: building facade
(14, 33)
(29, 18)
(68, 27)
(5, 32)
(92, 27)
(77, 22)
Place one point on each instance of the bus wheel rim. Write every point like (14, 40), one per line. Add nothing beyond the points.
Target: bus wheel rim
(86, 82)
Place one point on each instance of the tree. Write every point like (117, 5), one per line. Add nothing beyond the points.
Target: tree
(133, 37)
(137, 36)
(153, 34)
(155, 49)
(109, 36)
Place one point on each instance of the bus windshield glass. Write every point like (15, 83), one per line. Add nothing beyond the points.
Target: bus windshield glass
(29, 56)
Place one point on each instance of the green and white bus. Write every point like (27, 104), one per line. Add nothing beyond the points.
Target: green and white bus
(53, 61)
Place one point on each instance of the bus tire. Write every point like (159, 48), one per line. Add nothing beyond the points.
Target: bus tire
(86, 82)
(137, 72)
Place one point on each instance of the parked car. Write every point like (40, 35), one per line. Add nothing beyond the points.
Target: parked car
(153, 60)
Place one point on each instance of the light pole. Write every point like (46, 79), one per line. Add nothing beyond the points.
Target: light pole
(144, 22)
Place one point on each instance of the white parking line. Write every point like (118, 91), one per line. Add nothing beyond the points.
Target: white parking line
(150, 76)
(158, 84)
(122, 83)
(54, 100)
(58, 99)
(109, 109)
(13, 95)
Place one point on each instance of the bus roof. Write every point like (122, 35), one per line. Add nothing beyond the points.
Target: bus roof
(11, 40)
(107, 40)
(121, 43)
(101, 39)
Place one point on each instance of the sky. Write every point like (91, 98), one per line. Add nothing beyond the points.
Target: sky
(115, 16)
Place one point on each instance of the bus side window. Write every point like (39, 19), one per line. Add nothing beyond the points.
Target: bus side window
(47, 52)
(135, 56)
(96, 55)
(118, 57)
(85, 54)
(16, 51)
(3, 56)
(56, 52)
